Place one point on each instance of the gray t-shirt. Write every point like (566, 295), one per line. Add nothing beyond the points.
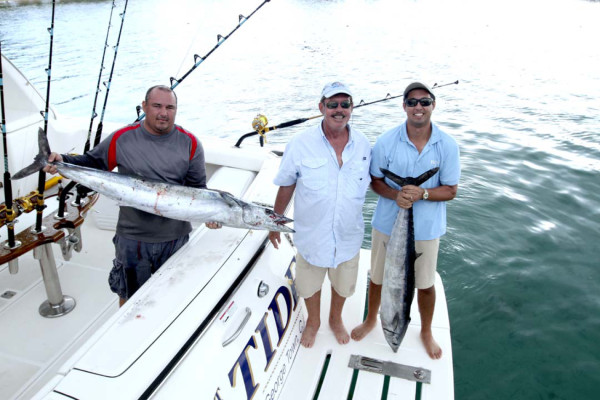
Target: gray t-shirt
(176, 157)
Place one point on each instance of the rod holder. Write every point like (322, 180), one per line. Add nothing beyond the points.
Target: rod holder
(71, 242)
(13, 266)
(57, 304)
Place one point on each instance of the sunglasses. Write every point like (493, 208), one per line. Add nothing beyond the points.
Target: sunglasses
(425, 102)
(332, 105)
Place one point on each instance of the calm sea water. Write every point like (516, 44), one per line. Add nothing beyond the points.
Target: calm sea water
(520, 262)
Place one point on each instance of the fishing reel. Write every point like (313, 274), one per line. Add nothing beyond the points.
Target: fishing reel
(29, 202)
(7, 215)
(21, 205)
(259, 124)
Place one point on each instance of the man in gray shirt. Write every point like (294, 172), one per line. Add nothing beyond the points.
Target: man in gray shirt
(158, 149)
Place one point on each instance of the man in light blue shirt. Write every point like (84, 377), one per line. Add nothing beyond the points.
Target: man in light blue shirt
(409, 150)
(327, 167)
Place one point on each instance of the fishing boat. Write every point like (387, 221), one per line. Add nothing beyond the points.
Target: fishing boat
(220, 320)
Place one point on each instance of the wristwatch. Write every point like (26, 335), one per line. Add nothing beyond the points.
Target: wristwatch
(425, 194)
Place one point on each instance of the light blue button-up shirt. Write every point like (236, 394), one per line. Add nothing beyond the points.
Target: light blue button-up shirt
(328, 199)
(395, 152)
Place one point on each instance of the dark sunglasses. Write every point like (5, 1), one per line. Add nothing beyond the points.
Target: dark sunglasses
(332, 105)
(425, 102)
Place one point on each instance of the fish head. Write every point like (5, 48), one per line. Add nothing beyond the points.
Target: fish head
(259, 217)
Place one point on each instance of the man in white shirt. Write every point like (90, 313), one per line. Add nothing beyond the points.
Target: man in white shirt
(327, 167)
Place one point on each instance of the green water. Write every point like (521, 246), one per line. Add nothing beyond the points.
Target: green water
(520, 261)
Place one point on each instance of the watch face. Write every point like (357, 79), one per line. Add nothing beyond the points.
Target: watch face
(425, 195)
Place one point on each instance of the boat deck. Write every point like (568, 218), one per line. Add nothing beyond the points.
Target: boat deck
(33, 347)
(328, 360)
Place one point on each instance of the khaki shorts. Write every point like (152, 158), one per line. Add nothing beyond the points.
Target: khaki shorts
(309, 278)
(425, 265)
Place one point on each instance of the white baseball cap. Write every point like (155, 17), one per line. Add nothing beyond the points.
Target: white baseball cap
(333, 88)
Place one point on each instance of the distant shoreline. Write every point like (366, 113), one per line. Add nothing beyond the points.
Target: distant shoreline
(29, 1)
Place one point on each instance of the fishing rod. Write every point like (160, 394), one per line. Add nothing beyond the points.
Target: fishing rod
(260, 127)
(388, 97)
(107, 85)
(10, 213)
(260, 122)
(199, 60)
(94, 114)
(42, 175)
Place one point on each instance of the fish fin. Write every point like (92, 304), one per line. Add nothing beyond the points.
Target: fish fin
(40, 160)
(231, 199)
(424, 177)
(394, 178)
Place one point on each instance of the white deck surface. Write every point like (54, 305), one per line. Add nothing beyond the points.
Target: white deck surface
(32, 346)
(309, 363)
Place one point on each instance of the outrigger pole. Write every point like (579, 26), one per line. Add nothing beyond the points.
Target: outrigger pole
(112, 69)
(42, 175)
(10, 214)
(260, 128)
(199, 60)
(94, 114)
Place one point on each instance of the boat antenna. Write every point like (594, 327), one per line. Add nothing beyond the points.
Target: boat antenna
(94, 114)
(42, 175)
(107, 84)
(10, 214)
(199, 60)
(261, 128)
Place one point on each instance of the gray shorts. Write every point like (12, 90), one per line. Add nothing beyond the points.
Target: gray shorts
(309, 278)
(136, 261)
(425, 265)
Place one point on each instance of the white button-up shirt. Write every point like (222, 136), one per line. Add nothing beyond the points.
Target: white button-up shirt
(328, 200)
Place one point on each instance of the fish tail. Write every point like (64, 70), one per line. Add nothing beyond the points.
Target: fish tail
(401, 181)
(40, 160)
(424, 177)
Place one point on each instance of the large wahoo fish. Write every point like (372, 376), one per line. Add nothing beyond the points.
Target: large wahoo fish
(164, 199)
(398, 287)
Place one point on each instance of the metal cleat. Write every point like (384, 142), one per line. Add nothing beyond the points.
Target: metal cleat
(390, 369)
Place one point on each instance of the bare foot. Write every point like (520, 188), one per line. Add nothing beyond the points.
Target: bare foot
(340, 332)
(433, 349)
(310, 332)
(363, 329)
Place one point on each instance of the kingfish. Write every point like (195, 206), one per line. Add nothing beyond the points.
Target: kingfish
(398, 287)
(165, 199)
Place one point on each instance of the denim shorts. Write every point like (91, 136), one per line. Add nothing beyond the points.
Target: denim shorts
(136, 261)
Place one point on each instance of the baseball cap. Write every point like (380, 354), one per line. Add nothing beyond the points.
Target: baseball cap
(334, 88)
(417, 85)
